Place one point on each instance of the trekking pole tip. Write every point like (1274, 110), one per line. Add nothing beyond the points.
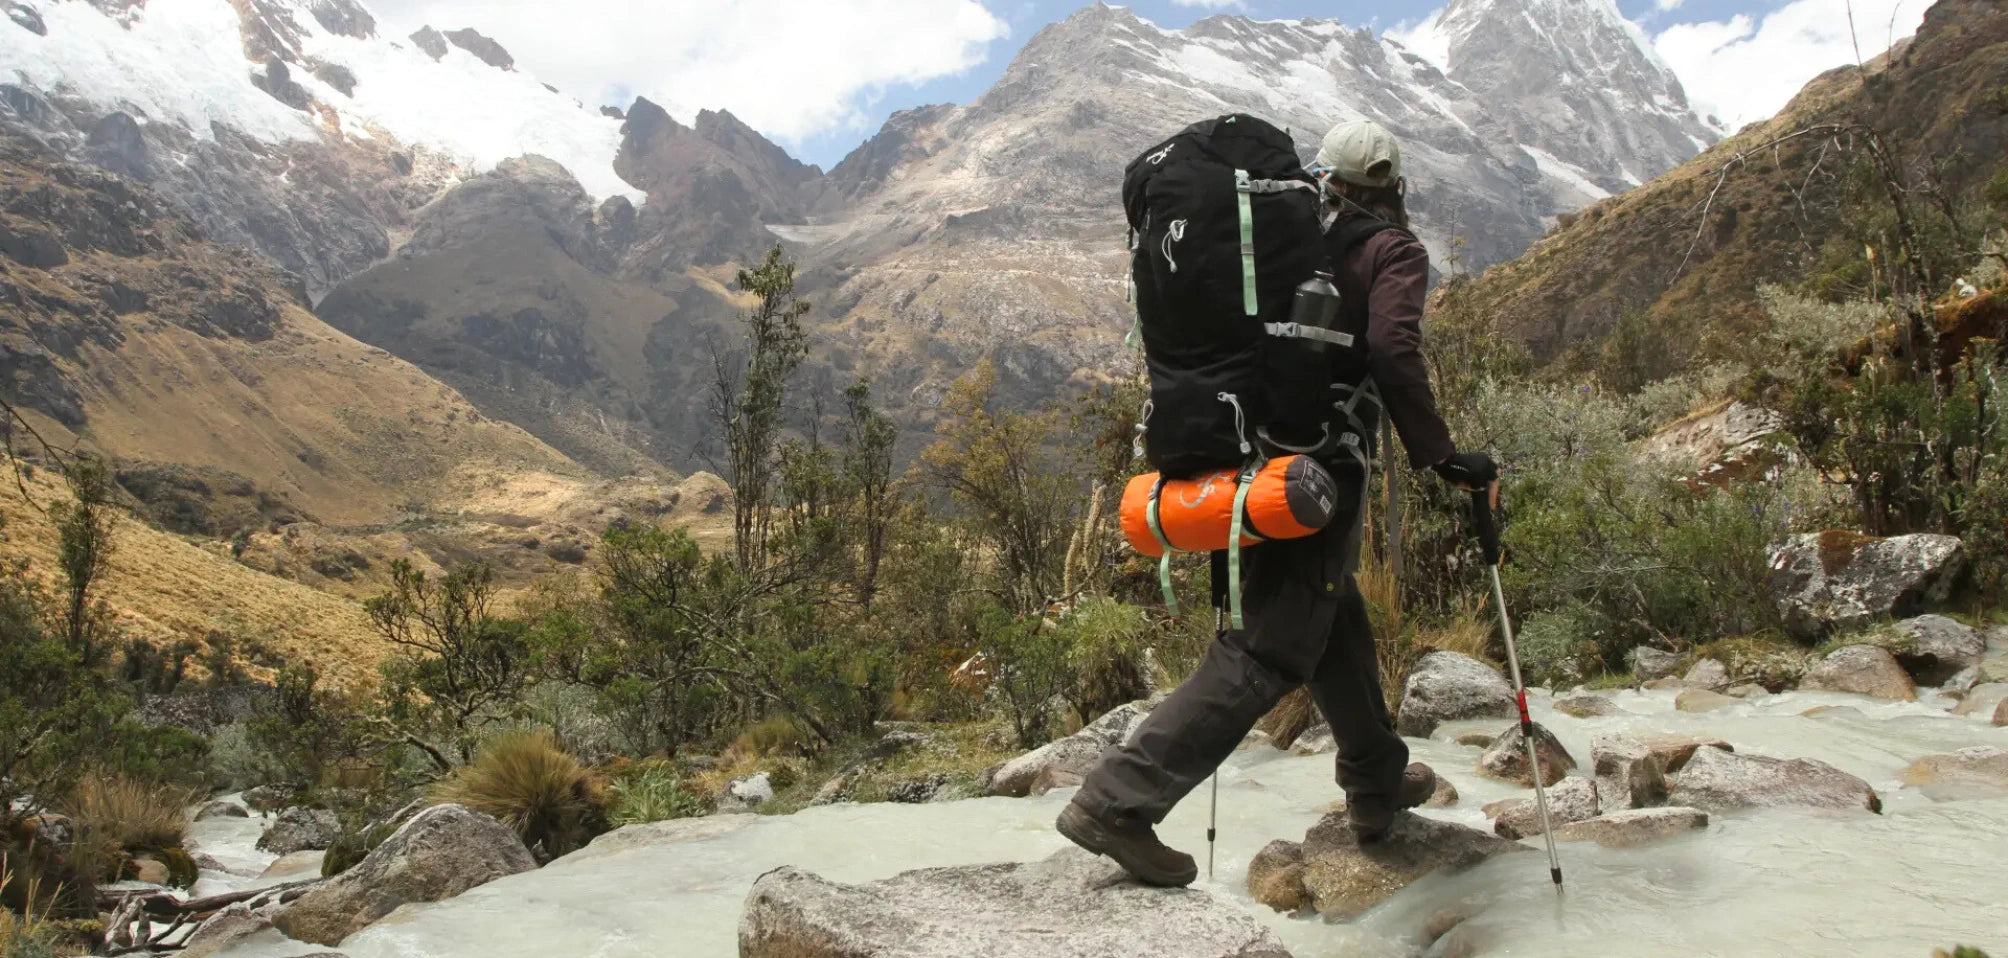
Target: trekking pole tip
(1556, 874)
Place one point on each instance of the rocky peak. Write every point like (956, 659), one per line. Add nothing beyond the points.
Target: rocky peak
(907, 135)
(530, 195)
(483, 47)
(343, 18)
(733, 136)
(430, 41)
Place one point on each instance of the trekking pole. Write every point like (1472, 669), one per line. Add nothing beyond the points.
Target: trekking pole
(1482, 503)
(1213, 806)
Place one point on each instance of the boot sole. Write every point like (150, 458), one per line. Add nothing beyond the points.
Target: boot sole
(1081, 828)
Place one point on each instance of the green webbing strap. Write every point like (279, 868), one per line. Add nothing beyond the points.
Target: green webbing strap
(1136, 329)
(1164, 561)
(1234, 541)
(1242, 187)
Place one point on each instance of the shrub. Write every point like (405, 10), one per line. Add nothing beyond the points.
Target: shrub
(1106, 643)
(771, 736)
(116, 816)
(529, 784)
(1029, 672)
(651, 791)
(25, 931)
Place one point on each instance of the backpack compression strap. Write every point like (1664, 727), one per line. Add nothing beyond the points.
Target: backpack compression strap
(1244, 187)
(1234, 539)
(1164, 561)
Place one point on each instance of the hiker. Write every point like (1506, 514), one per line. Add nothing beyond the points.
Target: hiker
(1305, 622)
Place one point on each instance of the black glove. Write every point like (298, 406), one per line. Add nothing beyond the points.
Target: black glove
(1468, 470)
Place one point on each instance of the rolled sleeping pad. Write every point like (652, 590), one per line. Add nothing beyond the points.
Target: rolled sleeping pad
(1288, 498)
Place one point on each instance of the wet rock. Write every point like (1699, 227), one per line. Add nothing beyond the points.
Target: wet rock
(266, 798)
(222, 809)
(295, 866)
(1444, 796)
(1341, 878)
(1476, 740)
(1571, 801)
(1939, 648)
(1586, 705)
(224, 929)
(1669, 682)
(1834, 711)
(1715, 780)
(1070, 904)
(918, 791)
(1629, 774)
(1961, 682)
(1979, 772)
(1649, 663)
(1747, 692)
(152, 871)
(1445, 687)
(1863, 670)
(1982, 699)
(1708, 674)
(300, 829)
(1068, 758)
(2001, 714)
(1839, 580)
(1630, 828)
(1316, 740)
(655, 834)
(1506, 760)
(1673, 750)
(440, 853)
(1994, 669)
(1702, 700)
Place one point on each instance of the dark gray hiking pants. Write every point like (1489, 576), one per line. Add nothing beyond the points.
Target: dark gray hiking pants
(1305, 625)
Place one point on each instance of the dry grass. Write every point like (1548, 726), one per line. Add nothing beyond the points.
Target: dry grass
(525, 781)
(162, 588)
(1290, 718)
(116, 816)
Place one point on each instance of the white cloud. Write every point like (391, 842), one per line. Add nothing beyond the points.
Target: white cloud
(1210, 4)
(793, 69)
(1746, 69)
(1664, 6)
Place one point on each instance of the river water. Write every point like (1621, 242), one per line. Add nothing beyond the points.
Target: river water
(1773, 883)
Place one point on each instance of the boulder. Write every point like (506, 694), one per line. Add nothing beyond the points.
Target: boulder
(1961, 682)
(1630, 828)
(294, 866)
(746, 794)
(1673, 750)
(224, 929)
(1748, 691)
(1073, 904)
(1333, 873)
(222, 810)
(1476, 740)
(1445, 687)
(1066, 760)
(655, 834)
(1994, 669)
(1839, 580)
(1506, 760)
(1982, 699)
(1938, 648)
(1586, 705)
(1979, 772)
(300, 829)
(440, 853)
(1316, 740)
(1571, 801)
(1834, 711)
(1648, 663)
(1702, 700)
(266, 798)
(1708, 674)
(151, 870)
(2001, 714)
(1671, 682)
(1863, 670)
(1715, 780)
(1629, 774)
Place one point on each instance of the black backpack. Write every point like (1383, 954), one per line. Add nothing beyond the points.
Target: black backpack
(1224, 225)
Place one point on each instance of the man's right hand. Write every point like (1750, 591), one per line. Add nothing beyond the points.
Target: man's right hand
(1470, 471)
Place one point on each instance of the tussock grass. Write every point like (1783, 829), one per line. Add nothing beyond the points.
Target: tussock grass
(525, 781)
(116, 816)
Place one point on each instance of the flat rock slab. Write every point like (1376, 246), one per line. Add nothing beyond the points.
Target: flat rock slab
(1702, 700)
(1631, 828)
(1715, 780)
(653, 834)
(1331, 872)
(1863, 670)
(1980, 772)
(1072, 905)
(1573, 800)
(1586, 705)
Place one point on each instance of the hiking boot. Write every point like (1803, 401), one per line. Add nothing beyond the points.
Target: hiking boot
(1371, 820)
(1134, 846)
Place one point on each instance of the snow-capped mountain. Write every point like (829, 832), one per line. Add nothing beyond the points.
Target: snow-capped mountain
(297, 128)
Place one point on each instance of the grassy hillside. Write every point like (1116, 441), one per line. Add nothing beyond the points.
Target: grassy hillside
(1682, 257)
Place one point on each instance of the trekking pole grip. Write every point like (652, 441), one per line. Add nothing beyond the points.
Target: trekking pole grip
(1486, 525)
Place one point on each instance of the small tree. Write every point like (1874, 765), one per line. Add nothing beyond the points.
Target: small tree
(749, 397)
(84, 528)
(459, 666)
(867, 457)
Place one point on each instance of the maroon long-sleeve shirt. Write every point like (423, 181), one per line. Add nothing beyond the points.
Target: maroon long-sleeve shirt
(1382, 283)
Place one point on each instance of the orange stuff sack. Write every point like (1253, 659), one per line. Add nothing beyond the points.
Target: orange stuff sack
(1287, 498)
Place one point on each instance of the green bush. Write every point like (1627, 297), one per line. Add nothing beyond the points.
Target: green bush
(1106, 642)
(526, 782)
(651, 791)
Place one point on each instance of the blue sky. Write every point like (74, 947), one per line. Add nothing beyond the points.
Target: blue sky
(820, 76)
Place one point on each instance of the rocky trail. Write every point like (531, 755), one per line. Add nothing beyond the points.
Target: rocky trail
(1790, 860)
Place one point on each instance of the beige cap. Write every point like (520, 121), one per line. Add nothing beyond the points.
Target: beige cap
(1361, 152)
